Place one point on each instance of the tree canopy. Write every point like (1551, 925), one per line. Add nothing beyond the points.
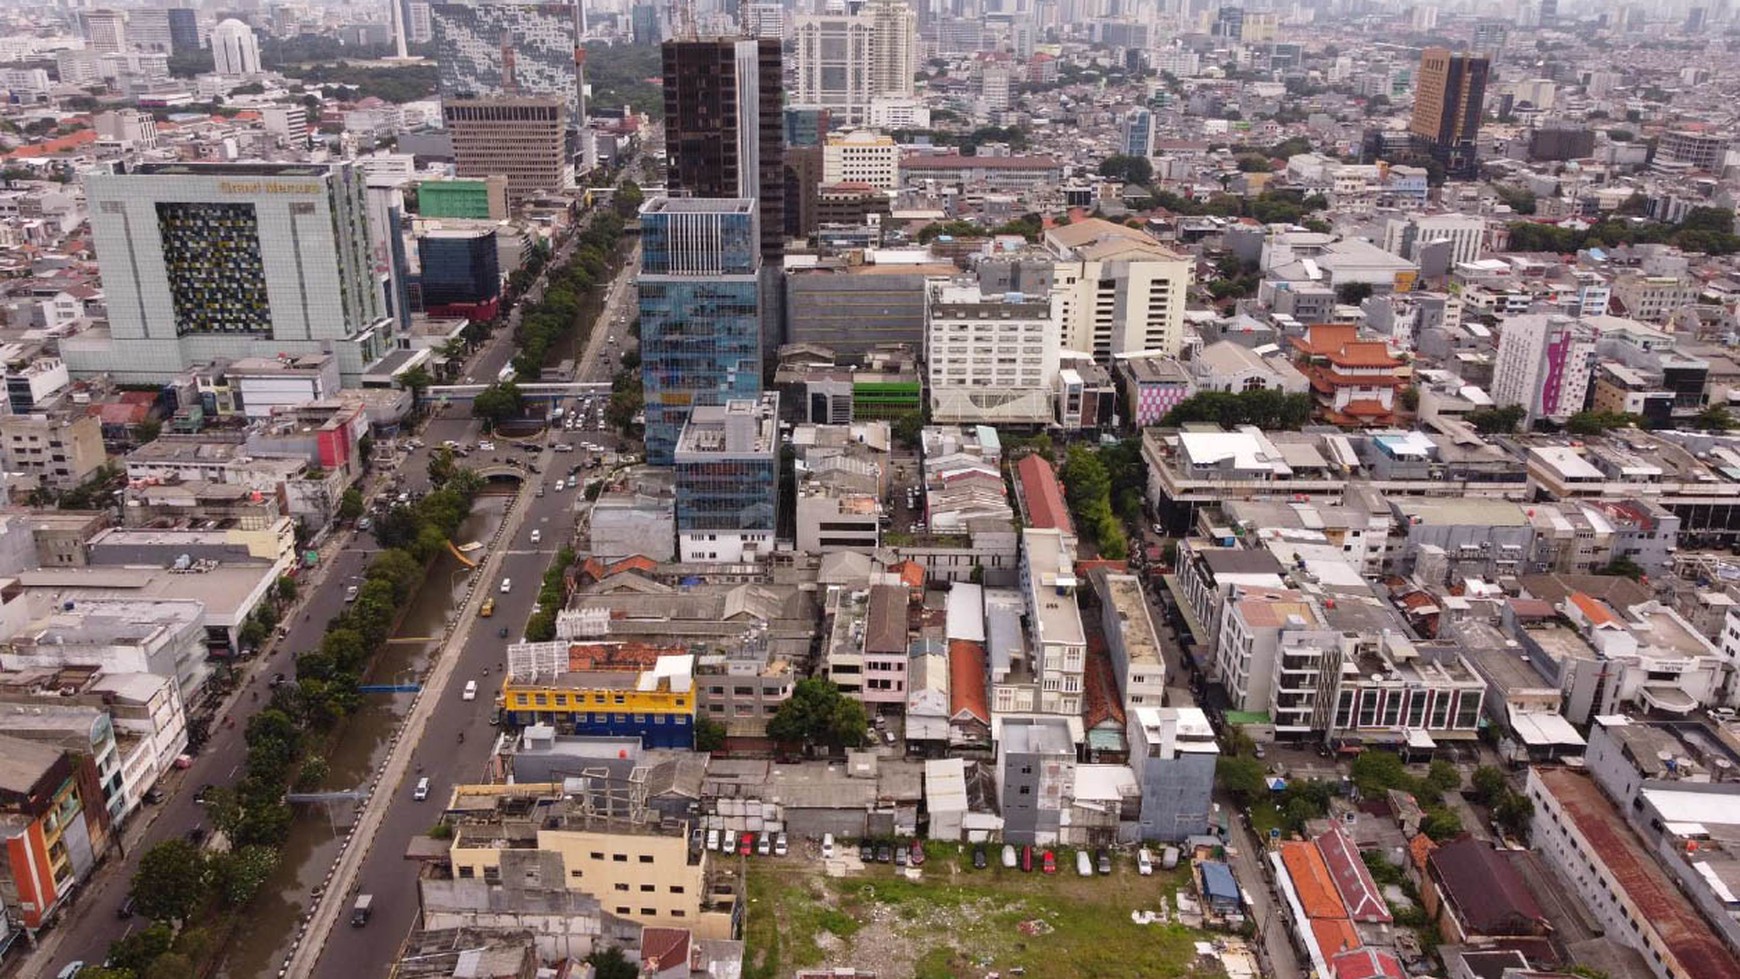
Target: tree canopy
(817, 713)
(1264, 408)
(498, 403)
(1130, 169)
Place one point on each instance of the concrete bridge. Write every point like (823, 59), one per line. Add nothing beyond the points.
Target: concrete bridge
(550, 391)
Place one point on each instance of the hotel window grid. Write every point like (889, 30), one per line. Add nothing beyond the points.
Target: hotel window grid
(217, 278)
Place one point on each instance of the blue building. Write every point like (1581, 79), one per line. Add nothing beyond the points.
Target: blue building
(458, 267)
(1138, 133)
(727, 463)
(700, 311)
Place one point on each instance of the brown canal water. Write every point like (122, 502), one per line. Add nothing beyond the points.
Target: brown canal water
(269, 929)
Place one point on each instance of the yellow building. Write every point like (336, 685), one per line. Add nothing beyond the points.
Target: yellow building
(611, 846)
(650, 696)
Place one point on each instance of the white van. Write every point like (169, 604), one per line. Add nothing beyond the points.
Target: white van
(729, 843)
(1144, 862)
(712, 839)
(827, 846)
(470, 690)
(1084, 864)
(422, 791)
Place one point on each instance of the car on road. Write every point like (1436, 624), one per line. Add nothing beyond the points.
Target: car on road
(507, 585)
(562, 447)
(155, 795)
(422, 790)
(72, 969)
(364, 524)
(486, 446)
(204, 790)
(350, 594)
(561, 484)
(470, 692)
(488, 608)
(278, 680)
(537, 536)
(127, 907)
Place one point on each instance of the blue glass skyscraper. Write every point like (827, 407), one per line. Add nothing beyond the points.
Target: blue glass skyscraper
(700, 311)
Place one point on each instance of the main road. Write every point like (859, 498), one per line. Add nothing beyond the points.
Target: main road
(86, 931)
(445, 758)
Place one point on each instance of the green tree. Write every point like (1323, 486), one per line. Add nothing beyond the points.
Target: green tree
(1716, 418)
(416, 380)
(1496, 421)
(147, 431)
(817, 713)
(1514, 814)
(907, 428)
(1588, 423)
(1242, 777)
(135, 952)
(610, 963)
(1353, 293)
(240, 874)
(1129, 169)
(498, 403)
(1441, 824)
(365, 448)
(1376, 771)
(350, 505)
(1444, 777)
(441, 466)
(1622, 567)
(709, 734)
(1489, 784)
(171, 882)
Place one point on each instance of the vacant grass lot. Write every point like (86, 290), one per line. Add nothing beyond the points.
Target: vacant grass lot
(958, 922)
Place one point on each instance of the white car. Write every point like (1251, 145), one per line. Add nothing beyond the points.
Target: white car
(537, 536)
(827, 846)
(507, 585)
(486, 446)
(561, 484)
(1144, 862)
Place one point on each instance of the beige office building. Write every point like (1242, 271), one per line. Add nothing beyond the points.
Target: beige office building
(524, 140)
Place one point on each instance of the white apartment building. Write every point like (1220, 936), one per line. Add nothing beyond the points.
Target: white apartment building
(1054, 627)
(990, 358)
(862, 157)
(894, 112)
(1544, 363)
(1119, 290)
(1652, 298)
(1404, 236)
(845, 61)
(1272, 652)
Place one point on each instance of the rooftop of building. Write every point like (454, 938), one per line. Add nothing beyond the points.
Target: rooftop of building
(23, 763)
(180, 169)
(1139, 642)
(699, 205)
(1037, 736)
(1460, 511)
(1699, 950)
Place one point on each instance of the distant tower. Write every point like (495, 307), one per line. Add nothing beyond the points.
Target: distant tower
(402, 49)
(234, 49)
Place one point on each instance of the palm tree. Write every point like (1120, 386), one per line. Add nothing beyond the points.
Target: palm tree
(453, 352)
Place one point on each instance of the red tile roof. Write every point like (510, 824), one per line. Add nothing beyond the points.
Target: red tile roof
(664, 948)
(911, 573)
(1101, 702)
(617, 656)
(1311, 881)
(54, 147)
(1043, 494)
(1685, 936)
(967, 681)
(119, 414)
(1485, 889)
(1367, 963)
(1359, 893)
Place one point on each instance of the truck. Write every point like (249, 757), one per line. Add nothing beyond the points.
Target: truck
(359, 914)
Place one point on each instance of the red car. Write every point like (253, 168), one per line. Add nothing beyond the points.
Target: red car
(1050, 862)
(1027, 859)
(746, 845)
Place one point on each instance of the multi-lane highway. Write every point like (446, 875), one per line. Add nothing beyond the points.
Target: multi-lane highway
(87, 931)
(445, 759)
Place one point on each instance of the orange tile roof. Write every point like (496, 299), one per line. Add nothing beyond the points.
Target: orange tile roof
(1101, 703)
(1311, 881)
(1364, 406)
(1334, 935)
(1594, 609)
(911, 574)
(967, 680)
(617, 656)
(1363, 353)
(54, 147)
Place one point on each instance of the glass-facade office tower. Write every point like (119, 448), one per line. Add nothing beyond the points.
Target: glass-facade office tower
(727, 463)
(490, 50)
(700, 311)
(210, 261)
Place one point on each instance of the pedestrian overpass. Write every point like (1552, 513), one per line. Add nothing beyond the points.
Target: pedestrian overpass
(549, 391)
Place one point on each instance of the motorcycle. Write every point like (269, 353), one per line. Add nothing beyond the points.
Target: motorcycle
(462, 737)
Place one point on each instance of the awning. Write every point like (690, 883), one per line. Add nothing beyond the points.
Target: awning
(1539, 729)
(1671, 699)
(1276, 784)
(1419, 740)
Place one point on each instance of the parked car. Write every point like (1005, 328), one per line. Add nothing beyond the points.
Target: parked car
(866, 851)
(746, 844)
(1144, 862)
(1008, 856)
(979, 861)
(712, 839)
(1049, 863)
(827, 846)
(1103, 860)
(779, 845)
(900, 856)
(917, 853)
(1027, 859)
(1084, 864)
(884, 853)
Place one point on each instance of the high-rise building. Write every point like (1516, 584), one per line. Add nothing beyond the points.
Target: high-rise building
(183, 31)
(1447, 105)
(148, 30)
(727, 469)
(1229, 23)
(862, 157)
(700, 311)
(724, 130)
(1544, 363)
(1119, 290)
(846, 60)
(1138, 133)
(106, 29)
(993, 359)
(234, 49)
(644, 21)
(1549, 13)
(491, 49)
(1701, 151)
(210, 261)
(522, 139)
